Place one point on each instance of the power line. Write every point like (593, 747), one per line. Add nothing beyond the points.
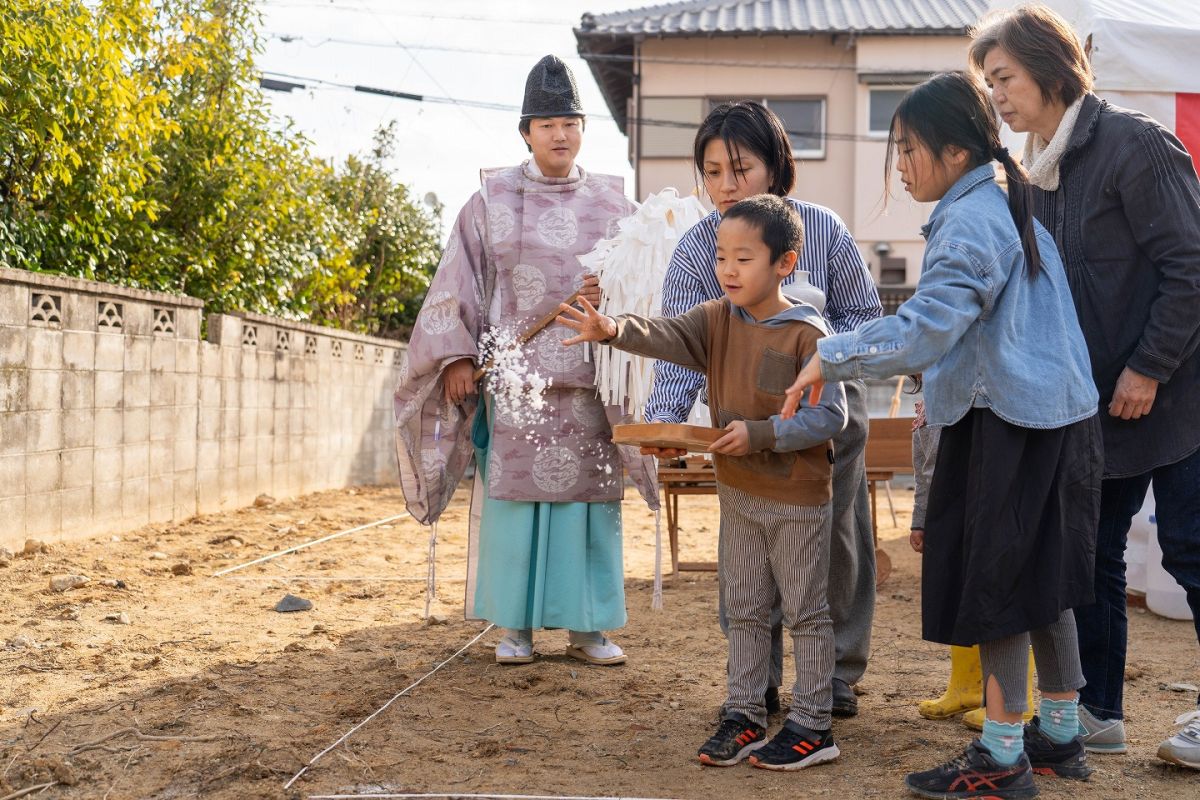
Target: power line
(610, 57)
(420, 15)
(283, 81)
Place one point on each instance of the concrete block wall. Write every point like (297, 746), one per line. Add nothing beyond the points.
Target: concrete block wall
(115, 413)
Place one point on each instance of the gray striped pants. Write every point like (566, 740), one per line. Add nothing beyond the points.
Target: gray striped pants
(769, 546)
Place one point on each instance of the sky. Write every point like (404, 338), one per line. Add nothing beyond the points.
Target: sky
(477, 50)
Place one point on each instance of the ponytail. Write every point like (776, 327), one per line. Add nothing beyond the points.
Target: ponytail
(1020, 205)
(953, 109)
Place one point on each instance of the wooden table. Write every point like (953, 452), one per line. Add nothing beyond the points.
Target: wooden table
(888, 452)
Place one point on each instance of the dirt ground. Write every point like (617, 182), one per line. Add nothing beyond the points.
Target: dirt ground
(207, 692)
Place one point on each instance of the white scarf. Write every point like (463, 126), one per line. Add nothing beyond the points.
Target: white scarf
(1042, 159)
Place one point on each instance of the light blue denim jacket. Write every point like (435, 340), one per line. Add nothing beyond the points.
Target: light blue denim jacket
(980, 330)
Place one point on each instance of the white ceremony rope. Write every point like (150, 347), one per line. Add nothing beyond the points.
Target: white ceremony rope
(228, 570)
(452, 795)
(384, 707)
(656, 601)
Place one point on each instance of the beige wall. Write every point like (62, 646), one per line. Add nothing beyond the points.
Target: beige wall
(849, 179)
(115, 413)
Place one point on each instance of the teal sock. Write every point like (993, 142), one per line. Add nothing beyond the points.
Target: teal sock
(1059, 719)
(1005, 741)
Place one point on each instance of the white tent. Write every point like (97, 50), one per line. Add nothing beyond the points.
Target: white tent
(1145, 55)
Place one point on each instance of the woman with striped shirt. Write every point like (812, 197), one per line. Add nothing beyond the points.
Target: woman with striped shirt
(741, 150)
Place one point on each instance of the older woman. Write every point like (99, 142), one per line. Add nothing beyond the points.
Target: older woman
(1120, 196)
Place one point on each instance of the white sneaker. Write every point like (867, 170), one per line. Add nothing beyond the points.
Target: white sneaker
(515, 647)
(1184, 747)
(594, 648)
(1101, 735)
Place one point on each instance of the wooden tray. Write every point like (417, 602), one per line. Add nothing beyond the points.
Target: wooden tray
(696, 438)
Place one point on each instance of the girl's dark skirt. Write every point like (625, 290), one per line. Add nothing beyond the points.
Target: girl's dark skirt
(1010, 528)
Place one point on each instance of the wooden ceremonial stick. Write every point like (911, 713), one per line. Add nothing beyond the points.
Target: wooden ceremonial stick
(530, 332)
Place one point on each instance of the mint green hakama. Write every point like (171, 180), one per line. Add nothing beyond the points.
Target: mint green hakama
(542, 564)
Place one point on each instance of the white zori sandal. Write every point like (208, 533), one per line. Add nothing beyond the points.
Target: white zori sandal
(515, 647)
(594, 648)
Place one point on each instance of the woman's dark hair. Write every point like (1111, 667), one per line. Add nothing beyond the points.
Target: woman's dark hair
(953, 109)
(777, 222)
(1044, 43)
(753, 126)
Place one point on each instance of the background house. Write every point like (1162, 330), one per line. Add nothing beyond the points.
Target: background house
(834, 70)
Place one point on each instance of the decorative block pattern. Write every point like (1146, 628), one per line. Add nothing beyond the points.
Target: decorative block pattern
(283, 341)
(110, 315)
(250, 335)
(310, 345)
(45, 308)
(164, 320)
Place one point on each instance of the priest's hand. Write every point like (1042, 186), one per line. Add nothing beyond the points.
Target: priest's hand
(590, 324)
(459, 380)
(590, 290)
(810, 375)
(735, 442)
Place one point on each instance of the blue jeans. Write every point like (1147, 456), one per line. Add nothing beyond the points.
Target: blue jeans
(1103, 626)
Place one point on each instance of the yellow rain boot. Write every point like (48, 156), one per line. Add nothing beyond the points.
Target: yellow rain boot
(965, 690)
(974, 719)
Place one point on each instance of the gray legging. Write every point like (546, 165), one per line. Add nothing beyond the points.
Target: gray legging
(851, 554)
(1055, 650)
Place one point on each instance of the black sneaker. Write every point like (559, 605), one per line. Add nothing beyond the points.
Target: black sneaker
(1049, 758)
(845, 701)
(771, 700)
(974, 774)
(734, 740)
(796, 747)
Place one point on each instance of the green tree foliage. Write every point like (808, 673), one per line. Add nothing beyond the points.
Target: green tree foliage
(390, 248)
(136, 148)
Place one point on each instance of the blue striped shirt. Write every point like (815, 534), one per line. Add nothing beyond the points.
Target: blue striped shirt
(831, 258)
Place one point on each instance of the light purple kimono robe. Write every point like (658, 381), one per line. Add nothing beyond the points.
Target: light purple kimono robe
(510, 260)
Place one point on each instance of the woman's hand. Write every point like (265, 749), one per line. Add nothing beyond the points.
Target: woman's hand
(1134, 395)
(459, 380)
(736, 442)
(916, 539)
(590, 290)
(591, 325)
(810, 375)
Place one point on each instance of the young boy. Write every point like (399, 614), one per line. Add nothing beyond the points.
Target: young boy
(773, 477)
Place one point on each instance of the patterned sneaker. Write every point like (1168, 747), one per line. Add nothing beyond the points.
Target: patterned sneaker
(1101, 735)
(1050, 758)
(1183, 748)
(796, 747)
(974, 774)
(734, 740)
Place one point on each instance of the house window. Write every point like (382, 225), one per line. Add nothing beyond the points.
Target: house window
(883, 106)
(803, 119)
(667, 126)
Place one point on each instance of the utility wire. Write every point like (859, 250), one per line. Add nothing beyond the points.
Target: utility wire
(602, 57)
(282, 81)
(420, 15)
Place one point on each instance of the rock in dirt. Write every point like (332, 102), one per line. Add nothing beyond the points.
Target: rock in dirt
(435, 619)
(115, 583)
(21, 642)
(182, 568)
(6, 556)
(1182, 687)
(120, 619)
(35, 546)
(63, 583)
(292, 603)
(264, 500)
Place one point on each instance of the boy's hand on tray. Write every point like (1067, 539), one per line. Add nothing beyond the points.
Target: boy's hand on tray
(810, 375)
(736, 442)
(591, 325)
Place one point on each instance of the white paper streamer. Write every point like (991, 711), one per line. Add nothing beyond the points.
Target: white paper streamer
(631, 267)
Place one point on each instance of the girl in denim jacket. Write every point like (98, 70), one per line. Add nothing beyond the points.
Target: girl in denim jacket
(1010, 523)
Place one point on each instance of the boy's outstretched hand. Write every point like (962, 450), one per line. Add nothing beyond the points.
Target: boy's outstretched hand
(810, 375)
(591, 325)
